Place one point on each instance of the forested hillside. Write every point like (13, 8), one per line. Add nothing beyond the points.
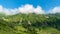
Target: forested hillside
(30, 24)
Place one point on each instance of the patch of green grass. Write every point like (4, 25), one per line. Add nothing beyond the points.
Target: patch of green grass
(49, 30)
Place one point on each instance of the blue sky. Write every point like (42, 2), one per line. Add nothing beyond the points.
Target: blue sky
(45, 4)
(29, 6)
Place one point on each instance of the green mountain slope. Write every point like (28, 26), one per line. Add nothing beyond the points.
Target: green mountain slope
(30, 24)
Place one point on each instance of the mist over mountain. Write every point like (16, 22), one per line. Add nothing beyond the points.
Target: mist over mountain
(28, 8)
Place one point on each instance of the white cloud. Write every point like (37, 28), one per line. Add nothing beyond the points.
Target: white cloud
(55, 10)
(8, 11)
(23, 9)
(39, 10)
(26, 9)
(1, 8)
(30, 9)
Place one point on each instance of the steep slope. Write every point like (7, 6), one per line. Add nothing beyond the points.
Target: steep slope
(30, 24)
